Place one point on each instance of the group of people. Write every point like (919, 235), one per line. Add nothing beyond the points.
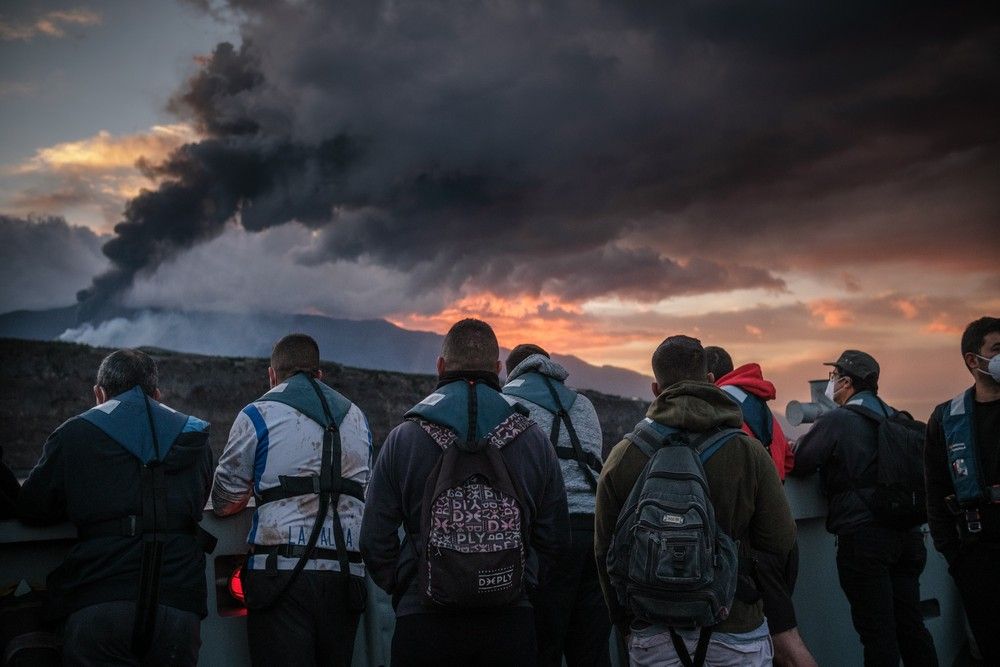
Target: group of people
(491, 518)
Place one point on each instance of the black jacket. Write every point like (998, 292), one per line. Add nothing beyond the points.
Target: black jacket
(842, 446)
(85, 477)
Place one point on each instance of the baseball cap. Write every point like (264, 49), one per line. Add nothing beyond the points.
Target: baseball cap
(856, 363)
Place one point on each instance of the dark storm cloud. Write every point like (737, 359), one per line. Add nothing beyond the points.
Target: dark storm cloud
(43, 260)
(587, 148)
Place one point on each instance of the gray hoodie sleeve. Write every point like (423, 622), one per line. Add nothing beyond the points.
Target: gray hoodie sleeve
(550, 533)
(379, 540)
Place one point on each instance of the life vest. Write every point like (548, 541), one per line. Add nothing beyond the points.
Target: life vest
(148, 430)
(963, 461)
(472, 410)
(756, 414)
(557, 399)
(327, 408)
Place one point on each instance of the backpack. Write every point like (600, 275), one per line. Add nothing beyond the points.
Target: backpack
(899, 499)
(475, 531)
(668, 561)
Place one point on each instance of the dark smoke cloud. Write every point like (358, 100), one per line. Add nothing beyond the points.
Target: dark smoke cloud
(587, 148)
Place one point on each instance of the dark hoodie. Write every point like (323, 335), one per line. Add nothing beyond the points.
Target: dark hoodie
(86, 477)
(750, 505)
(405, 462)
(750, 379)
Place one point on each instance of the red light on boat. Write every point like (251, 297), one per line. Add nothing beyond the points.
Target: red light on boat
(236, 585)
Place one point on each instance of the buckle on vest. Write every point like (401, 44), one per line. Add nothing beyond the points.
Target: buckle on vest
(972, 521)
(129, 525)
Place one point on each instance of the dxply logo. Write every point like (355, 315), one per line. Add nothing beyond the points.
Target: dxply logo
(494, 580)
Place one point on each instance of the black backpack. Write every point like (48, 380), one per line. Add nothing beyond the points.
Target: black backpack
(899, 499)
(475, 531)
(668, 560)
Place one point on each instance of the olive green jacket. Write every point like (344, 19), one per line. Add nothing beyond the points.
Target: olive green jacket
(750, 504)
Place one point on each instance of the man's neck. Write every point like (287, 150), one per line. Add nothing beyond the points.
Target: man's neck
(986, 391)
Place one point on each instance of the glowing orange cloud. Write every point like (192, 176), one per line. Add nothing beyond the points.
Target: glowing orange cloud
(833, 314)
(556, 325)
(105, 152)
(50, 24)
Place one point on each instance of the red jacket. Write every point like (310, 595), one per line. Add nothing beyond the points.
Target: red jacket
(750, 379)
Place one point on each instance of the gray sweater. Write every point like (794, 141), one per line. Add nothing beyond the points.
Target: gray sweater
(579, 494)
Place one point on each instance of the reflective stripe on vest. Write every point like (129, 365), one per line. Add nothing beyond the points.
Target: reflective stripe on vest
(959, 437)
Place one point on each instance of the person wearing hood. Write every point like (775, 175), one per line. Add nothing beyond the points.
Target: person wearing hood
(776, 575)
(962, 463)
(485, 618)
(749, 504)
(879, 566)
(748, 387)
(133, 476)
(303, 451)
(571, 618)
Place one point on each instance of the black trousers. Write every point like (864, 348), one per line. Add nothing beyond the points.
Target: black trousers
(879, 572)
(101, 634)
(571, 617)
(309, 625)
(502, 637)
(976, 571)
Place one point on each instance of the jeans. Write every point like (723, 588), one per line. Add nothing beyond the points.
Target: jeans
(571, 617)
(879, 571)
(101, 634)
(310, 624)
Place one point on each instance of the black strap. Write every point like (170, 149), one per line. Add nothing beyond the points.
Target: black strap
(290, 487)
(299, 550)
(562, 416)
(152, 488)
(704, 635)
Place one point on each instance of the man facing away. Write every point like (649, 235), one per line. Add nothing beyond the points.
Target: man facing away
(571, 618)
(303, 452)
(962, 463)
(879, 566)
(132, 475)
(775, 576)
(513, 509)
(748, 500)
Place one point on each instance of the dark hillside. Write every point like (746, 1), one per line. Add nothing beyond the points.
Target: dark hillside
(44, 383)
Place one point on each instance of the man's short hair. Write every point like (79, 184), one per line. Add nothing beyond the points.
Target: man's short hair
(718, 360)
(679, 358)
(295, 353)
(123, 369)
(470, 345)
(975, 334)
(522, 352)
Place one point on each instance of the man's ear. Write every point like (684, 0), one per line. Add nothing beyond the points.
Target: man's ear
(319, 373)
(499, 366)
(711, 377)
(971, 362)
(100, 395)
(656, 388)
(157, 395)
(440, 365)
(272, 377)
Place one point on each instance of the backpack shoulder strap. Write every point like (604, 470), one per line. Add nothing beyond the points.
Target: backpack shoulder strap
(709, 444)
(650, 437)
(583, 461)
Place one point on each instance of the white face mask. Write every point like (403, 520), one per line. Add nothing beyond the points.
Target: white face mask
(993, 370)
(831, 387)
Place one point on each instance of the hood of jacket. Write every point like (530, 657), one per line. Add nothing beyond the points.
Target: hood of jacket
(539, 363)
(750, 379)
(695, 406)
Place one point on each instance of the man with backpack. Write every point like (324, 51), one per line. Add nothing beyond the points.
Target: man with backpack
(680, 502)
(571, 618)
(476, 488)
(869, 459)
(303, 451)
(963, 484)
(132, 475)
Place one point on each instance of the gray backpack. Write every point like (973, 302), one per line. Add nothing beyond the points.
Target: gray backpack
(669, 562)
